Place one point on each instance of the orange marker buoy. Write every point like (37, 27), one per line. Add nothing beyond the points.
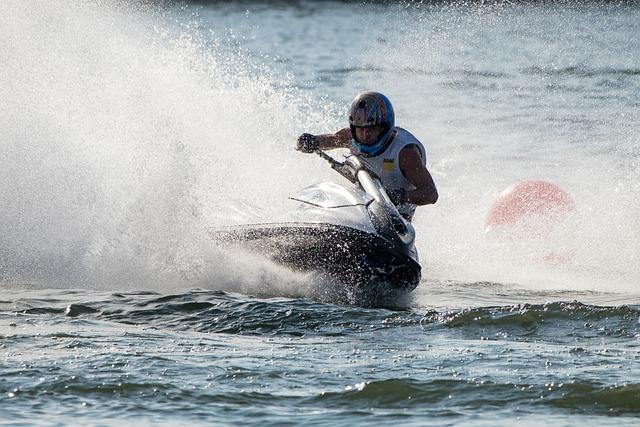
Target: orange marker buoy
(528, 209)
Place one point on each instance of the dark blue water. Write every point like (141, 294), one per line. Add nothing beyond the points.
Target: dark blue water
(129, 131)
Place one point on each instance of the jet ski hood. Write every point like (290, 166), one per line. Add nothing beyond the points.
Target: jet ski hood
(331, 195)
(330, 203)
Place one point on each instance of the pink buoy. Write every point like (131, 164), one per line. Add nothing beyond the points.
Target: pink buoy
(528, 209)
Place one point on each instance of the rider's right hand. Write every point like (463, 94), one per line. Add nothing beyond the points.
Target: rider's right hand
(307, 143)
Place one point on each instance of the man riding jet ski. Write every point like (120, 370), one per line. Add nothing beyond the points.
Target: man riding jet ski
(356, 234)
(390, 152)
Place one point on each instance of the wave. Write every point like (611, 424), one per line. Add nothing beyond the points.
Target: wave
(421, 396)
(221, 312)
(581, 71)
(582, 396)
(595, 398)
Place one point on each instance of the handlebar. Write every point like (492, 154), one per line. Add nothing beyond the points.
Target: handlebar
(341, 167)
(357, 173)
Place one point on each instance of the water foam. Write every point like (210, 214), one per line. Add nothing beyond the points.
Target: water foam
(126, 133)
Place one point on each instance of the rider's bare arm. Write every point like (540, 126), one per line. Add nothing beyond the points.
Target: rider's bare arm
(340, 139)
(417, 174)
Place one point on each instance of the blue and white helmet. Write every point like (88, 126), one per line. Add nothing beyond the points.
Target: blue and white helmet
(372, 109)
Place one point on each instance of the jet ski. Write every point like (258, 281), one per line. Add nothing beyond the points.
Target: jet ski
(352, 234)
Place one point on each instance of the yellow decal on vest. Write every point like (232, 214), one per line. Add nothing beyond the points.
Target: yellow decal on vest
(388, 165)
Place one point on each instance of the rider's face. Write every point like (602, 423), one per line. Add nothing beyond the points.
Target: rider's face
(368, 135)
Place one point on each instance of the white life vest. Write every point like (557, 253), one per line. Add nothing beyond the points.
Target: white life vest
(387, 165)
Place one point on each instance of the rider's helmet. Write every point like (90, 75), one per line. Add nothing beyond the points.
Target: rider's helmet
(371, 109)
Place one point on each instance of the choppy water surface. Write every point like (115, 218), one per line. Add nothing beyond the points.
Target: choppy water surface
(205, 356)
(128, 131)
